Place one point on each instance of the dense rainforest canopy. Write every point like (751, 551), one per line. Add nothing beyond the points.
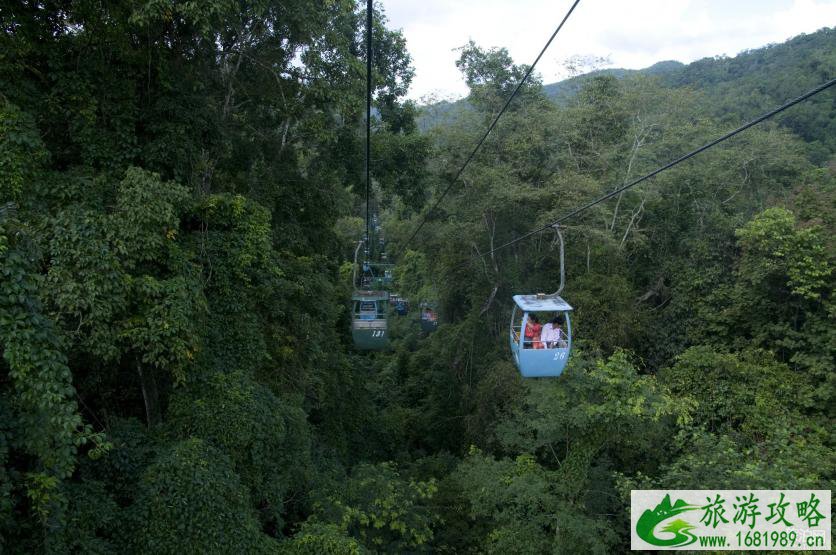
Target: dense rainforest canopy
(181, 191)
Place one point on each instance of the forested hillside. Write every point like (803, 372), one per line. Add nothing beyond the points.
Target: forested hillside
(181, 195)
(746, 85)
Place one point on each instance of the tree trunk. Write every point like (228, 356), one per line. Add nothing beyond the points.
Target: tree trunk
(149, 394)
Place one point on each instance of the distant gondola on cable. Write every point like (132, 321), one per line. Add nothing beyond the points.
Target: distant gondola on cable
(541, 331)
(428, 318)
(399, 304)
(369, 327)
(380, 275)
(370, 303)
(370, 307)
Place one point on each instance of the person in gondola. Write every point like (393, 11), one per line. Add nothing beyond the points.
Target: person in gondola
(533, 328)
(547, 335)
(557, 335)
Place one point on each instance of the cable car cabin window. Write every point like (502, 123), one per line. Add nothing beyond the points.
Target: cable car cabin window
(544, 330)
(516, 326)
(368, 310)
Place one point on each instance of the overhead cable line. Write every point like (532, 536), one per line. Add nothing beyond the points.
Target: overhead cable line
(369, 14)
(490, 128)
(667, 166)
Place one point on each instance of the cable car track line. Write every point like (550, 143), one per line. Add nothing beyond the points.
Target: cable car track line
(490, 128)
(789, 104)
(369, 16)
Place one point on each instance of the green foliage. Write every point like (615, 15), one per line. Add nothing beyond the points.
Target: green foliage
(736, 392)
(91, 518)
(86, 282)
(794, 455)
(118, 281)
(241, 278)
(526, 512)
(190, 500)
(134, 448)
(599, 403)
(562, 438)
(758, 79)
(175, 249)
(147, 217)
(176, 240)
(163, 329)
(413, 276)
(403, 155)
(385, 511)
(602, 122)
(266, 439)
(6, 499)
(51, 428)
(319, 538)
(21, 150)
(607, 309)
(492, 76)
(773, 249)
(782, 296)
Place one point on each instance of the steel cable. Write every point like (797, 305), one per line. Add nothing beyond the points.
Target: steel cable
(490, 128)
(824, 86)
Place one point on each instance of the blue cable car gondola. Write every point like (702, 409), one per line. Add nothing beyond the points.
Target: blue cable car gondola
(534, 357)
(538, 354)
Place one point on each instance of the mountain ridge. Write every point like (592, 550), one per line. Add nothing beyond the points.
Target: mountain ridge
(752, 81)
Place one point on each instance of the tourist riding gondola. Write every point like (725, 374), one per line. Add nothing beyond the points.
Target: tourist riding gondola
(428, 317)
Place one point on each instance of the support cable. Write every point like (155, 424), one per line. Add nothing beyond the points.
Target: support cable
(369, 14)
(490, 128)
(824, 86)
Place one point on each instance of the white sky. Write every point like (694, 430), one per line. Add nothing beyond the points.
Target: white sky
(632, 33)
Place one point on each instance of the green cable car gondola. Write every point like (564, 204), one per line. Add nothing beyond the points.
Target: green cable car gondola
(369, 327)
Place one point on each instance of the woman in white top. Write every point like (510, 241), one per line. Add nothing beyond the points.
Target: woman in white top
(547, 335)
(552, 334)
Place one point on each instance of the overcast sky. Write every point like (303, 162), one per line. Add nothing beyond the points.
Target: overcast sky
(631, 33)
